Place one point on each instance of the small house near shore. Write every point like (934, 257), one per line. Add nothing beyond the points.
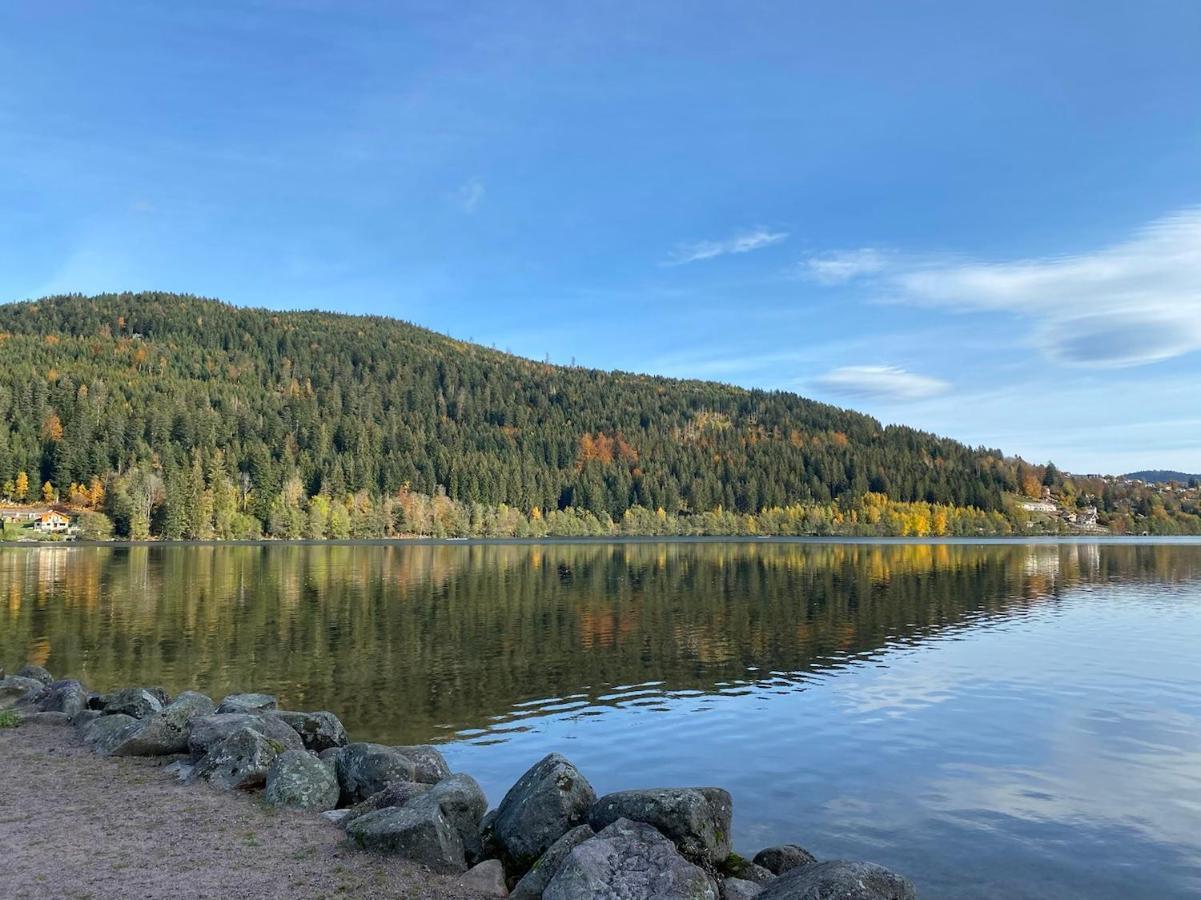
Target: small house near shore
(51, 523)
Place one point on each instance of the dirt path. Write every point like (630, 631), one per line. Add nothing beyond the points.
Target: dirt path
(75, 825)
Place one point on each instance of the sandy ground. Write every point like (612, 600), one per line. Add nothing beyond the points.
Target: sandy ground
(76, 825)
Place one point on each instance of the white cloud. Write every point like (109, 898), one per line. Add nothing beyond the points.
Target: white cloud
(739, 243)
(1133, 303)
(836, 268)
(469, 195)
(880, 382)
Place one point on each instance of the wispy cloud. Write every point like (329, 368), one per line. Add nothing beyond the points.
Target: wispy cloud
(880, 382)
(1133, 303)
(469, 195)
(739, 243)
(843, 266)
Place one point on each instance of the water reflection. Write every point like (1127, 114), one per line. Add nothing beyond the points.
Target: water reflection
(1018, 720)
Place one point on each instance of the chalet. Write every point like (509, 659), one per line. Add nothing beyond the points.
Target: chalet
(51, 523)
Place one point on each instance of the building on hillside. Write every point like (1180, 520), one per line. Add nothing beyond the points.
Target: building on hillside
(1086, 516)
(52, 523)
(1039, 506)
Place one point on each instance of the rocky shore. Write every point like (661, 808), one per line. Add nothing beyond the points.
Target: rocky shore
(551, 836)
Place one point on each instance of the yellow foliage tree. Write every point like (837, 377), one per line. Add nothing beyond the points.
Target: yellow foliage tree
(22, 492)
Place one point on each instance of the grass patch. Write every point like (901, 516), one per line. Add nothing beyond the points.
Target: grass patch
(9, 718)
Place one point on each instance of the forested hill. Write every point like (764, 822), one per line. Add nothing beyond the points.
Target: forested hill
(1163, 476)
(328, 404)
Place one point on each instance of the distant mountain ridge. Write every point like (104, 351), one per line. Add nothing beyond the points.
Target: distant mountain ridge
(1161, 476)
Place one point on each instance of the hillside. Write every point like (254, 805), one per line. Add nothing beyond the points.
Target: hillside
(1162, 476)
(179, 403)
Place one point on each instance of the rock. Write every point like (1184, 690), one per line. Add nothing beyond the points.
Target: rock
(486, 879)
(247, 703)
(366, 769)
(105, 733)
(141, 703)
(205, 732)
(319, 731)
(45, 718)
(840, 880)
(739, 889)
(490, 847)
(299, 780)
(180, 769)
(546, 802)
(330, 756)
(627, 860)
(462, 802)
(337, 816)
(783, 858)
(35, 673)
(166, 733)
(84, 718)
(17, 690)
(696, 820)
(68, 697)
(398, 793)
(430, 765)
(240, 762)
(534, 882)
(735, 866)
(417, 833)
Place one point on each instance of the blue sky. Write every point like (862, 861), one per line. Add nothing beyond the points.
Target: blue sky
(979, 219)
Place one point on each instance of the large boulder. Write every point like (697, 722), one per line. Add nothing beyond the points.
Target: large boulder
(141, 703)
(299, 780)
(462, 801)
(420, 833)
(247, 703)
(240, 762)
(366, 769)
(35, 673)
(546, 802)
(166, 733)
(68, 697)
(696, 820)
(534, 882)
(627, 860)
(735, 866)
(205, 732)
(320, 731)
(429, 765)
(17, 690)
(106, 733)
(784, 858)
(840, 880)
(398, 793)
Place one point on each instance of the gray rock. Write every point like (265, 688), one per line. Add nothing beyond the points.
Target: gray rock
(366, 769)
(534, 882)
(181, 769)
(17, 690)
(462, 801)
(784, 858)
(36, 673)
(739, 889)
(141, 703)
(84, 718)
(240, 762)
(546, 802)
(330, 756)
(45, 718)
(840, 880)
(337, 816)
(320, 731)
(696, 820)
(398, 793)
(247, 703)
(486, 879)
(299, 780)
(417, 833)
(629, 860)
(166, 733)
(108, 732)
(430, 765)
(205, 732)
(68, 697)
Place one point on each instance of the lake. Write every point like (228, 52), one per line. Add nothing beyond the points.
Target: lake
(991, 719)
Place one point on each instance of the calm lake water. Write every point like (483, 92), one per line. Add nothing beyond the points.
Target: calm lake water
(994, 720)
